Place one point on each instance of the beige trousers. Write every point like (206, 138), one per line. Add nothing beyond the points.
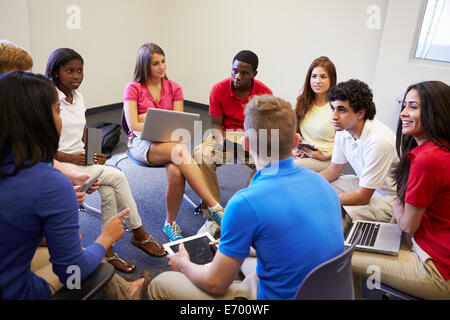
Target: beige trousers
(378, 209)
(312, 164)
(115, 193)
(405, 272)
(173, 285)
(209, 158)
(116, 289)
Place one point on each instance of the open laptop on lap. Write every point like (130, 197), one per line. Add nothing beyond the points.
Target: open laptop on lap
(377, 237)
(160, 125)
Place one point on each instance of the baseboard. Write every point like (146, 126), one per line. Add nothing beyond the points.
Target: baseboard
(115, 106)
(106, 108)
(196, 105)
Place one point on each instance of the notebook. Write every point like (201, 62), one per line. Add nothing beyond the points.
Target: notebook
(200, 252)
(93, 144)
(378, 237)
(167, 125)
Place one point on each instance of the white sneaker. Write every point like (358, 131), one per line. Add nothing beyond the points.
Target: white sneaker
(209, 226)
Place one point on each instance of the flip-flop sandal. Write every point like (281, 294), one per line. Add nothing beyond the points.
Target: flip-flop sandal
(125, 263)
(141, 244)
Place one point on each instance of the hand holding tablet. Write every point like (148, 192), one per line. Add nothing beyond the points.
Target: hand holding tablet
(90, 181)
(197, 246)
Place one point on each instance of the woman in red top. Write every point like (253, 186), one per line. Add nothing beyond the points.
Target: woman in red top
(422, 209)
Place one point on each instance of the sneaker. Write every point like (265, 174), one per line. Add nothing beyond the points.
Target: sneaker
(173, 231)
(209, 226)
(217, 215)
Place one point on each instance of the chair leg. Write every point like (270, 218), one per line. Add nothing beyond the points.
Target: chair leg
(91, 210)
(192, 204)
(390, 293)
(120, 159)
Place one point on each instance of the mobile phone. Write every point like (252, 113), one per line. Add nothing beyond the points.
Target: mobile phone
(305, 145)
(90, 181)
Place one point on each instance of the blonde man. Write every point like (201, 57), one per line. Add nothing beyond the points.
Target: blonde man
(285, 209)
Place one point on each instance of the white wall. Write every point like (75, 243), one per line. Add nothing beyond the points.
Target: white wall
(110, 35)
(286, 34)
(14, 22)
(200, 38)
(396, 69)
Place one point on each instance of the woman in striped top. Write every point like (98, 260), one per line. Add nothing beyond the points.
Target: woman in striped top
(314, 116)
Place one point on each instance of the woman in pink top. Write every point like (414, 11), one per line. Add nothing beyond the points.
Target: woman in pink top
(151, 88)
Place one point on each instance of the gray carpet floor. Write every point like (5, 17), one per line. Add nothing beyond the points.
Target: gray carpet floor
(148, 186)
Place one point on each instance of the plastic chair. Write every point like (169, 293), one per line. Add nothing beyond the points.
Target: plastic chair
(331, 280)
(394, 294)
(90, 288)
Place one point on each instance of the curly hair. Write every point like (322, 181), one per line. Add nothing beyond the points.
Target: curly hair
(357, 93)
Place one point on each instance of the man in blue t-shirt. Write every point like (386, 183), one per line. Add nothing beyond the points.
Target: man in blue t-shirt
(288, 216)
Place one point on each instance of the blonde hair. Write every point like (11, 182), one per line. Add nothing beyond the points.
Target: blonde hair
(274, 115)
(12, 57)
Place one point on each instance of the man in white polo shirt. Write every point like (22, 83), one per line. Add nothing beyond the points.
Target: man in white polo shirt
(368, 146)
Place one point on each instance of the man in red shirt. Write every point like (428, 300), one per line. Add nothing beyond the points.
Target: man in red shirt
(227, 102)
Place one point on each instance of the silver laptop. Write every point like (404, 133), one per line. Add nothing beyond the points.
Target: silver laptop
(378, 237)
(167, 125)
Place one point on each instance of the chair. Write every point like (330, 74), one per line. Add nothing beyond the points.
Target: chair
(331, 280)
(389, 293)
(91, 287)
(197, 208)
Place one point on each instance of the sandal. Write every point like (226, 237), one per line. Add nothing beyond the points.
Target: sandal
(125, 263)
(142, 245)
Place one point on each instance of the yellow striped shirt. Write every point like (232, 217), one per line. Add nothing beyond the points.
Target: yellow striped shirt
(317, 128)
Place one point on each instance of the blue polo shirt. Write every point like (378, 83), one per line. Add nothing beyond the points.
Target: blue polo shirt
(39, 202)
(292, 217)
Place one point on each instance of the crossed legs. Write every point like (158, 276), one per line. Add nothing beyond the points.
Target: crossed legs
(180, 167)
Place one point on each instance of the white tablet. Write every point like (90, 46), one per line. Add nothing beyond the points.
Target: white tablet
(197, 246)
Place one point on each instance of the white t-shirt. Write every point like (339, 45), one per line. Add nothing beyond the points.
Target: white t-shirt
(73, 123)
(372, 156)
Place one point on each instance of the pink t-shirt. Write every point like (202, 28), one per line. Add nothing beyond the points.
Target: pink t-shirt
(170, 92)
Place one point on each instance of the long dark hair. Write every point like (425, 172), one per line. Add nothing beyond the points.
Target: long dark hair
(27, 126)
(434, 118)
(59, 58)
(305, 100)
(144, 57)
